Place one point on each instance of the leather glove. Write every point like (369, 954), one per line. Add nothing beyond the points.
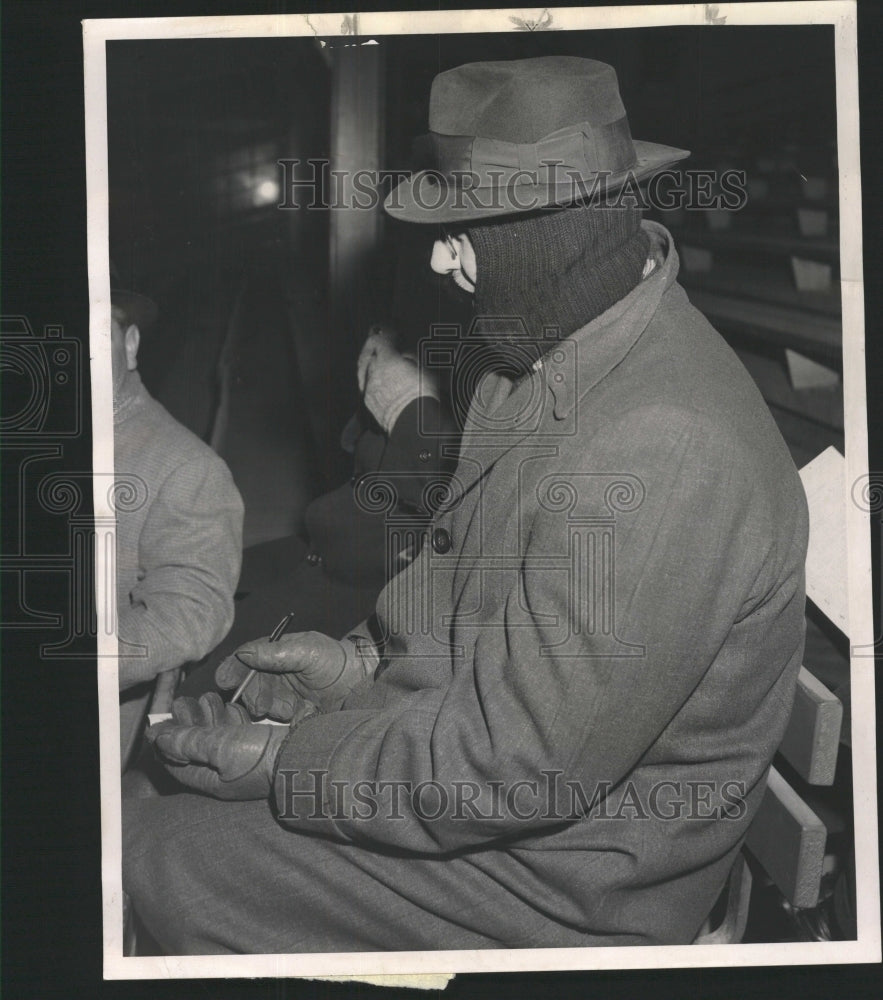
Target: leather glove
(389, 381)
(299, 666)
(216, 749)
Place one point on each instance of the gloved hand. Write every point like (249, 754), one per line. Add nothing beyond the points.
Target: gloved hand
(216, 749)
(298, 666)
(389, 381)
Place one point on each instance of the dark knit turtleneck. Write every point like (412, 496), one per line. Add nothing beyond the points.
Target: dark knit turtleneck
(558, 268)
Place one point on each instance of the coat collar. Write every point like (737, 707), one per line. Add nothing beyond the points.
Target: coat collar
(130, 397)
(503, 414)
(602, 344)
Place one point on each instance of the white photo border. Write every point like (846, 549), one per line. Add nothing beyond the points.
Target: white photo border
(843, 16)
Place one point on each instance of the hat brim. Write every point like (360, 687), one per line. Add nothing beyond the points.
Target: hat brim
(421, 198)
(139, 309)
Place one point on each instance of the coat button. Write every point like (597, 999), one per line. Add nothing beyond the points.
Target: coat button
(314, 559)
(441, 541)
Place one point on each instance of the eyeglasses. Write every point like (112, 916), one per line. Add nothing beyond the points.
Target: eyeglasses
(449, 243)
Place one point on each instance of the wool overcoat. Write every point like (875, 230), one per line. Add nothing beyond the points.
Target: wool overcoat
(586, 674)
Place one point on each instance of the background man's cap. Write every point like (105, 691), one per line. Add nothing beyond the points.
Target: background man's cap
(508, 137)
(139, 309)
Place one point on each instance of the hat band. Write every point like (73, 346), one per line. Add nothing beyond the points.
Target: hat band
(582, 151)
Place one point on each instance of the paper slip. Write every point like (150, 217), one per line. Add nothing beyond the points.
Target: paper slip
(826, 582)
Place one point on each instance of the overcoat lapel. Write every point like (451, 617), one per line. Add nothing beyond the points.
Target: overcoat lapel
(500, 416)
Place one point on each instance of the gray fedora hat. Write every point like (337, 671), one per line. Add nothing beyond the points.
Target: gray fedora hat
(513, 136)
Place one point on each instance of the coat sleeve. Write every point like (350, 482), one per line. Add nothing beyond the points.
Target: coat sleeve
(422, 446)
(190, 555)
(685, 562)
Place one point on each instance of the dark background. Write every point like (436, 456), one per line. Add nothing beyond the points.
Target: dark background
(50, 801)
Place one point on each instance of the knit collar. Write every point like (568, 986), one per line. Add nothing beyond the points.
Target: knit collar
(603, 343)
(556, 271)
(579, 362)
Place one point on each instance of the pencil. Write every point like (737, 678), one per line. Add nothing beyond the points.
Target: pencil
(275, 635)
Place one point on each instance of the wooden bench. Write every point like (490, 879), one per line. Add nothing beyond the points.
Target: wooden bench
(787, 838)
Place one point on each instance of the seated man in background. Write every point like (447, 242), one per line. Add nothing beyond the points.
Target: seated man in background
(179, 530)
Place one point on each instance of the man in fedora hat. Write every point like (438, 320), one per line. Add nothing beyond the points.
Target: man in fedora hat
(562, 728)
(179, 529)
